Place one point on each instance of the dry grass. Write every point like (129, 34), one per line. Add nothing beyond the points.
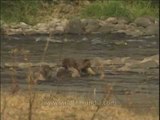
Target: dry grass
(52, 106)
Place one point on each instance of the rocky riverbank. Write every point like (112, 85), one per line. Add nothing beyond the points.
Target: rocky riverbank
(142, 26)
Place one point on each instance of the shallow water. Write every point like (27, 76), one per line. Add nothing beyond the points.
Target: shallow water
(143, 87)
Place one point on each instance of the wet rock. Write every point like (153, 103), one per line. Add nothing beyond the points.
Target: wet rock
(133, 30)
(74, 27)
(141, 28)
(126, 67)
(122, 21)
(15, 31)
(26, 65)
(152, 29)
(141, 65)
(123, 28)
(134, 33)
(84, 22)
(58, 30)
(120, 43)
(107, 28)
(120, 31)
(64, 22)
(85, 39)
(120, 27)
(20, 25)
(54, 20)
(90, 25)
(133, 25)
(28, 31)
(23, 25)
(143, 21)
(41, 31)
(147, 64)
(118, 61)
(112, 20)
(52, 24)
(40, 26)
(59, 27)
(18, 65)
(97, 61)
(154, 58)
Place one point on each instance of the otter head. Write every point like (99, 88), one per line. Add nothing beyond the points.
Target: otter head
(46, 70)
(85, 67)
(69, 62)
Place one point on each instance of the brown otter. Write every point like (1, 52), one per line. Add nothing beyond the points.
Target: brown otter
(63, 73)
(40, 74)
(76, 67)
(69, 62)
(84, 67)
(98, 65)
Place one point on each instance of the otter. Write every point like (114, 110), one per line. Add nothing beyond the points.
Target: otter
(70, 68)
(84, 67)
(40, 74)
(76, 68)
(98, 65)
(63, 73)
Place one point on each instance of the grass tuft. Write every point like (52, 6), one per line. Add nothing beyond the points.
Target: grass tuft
(106, 9)
(28, 11)
(120, 9)
(143, 8)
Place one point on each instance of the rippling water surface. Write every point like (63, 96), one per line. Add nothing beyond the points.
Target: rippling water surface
(144, 87)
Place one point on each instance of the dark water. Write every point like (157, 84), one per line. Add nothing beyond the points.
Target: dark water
(143, 87)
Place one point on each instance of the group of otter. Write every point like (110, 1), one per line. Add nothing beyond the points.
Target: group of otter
(71, 68)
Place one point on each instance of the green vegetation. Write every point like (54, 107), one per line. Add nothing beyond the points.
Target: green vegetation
(19, 11)
(34, 11)
(106, 9)
(28, 11)
(120, 9)
(143, 8)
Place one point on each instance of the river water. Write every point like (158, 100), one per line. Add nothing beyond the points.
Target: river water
(144, 87)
